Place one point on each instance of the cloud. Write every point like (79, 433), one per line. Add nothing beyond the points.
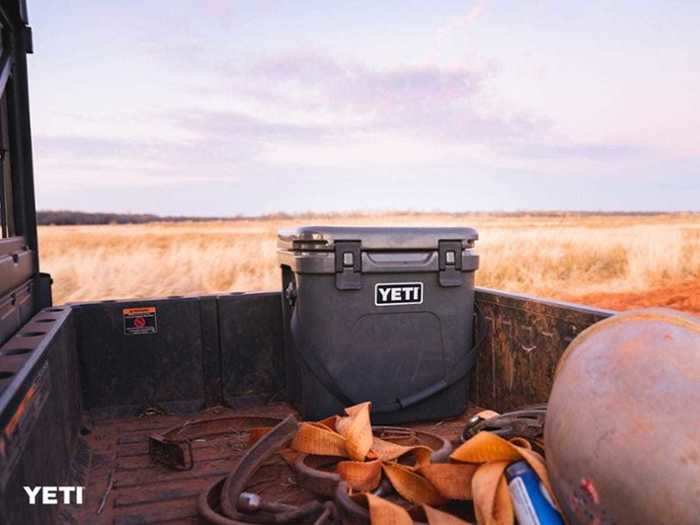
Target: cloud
(441, 103)
(359, 86)
(315, 111)
(576, 150)
(234, 126)
(86, 161)
(459, 24)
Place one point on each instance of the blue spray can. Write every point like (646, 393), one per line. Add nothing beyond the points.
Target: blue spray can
(532, 503)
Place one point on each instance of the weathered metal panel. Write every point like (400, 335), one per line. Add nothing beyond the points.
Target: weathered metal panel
(39, 413)
(252, 355)
(16, 308)
(526, 337)
(126, 372)
(206, 350)
(211, 351)
(16, 263)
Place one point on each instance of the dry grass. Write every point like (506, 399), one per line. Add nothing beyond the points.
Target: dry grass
(562, 257)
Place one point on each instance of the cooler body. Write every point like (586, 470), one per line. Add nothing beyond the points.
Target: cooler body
(379, 314)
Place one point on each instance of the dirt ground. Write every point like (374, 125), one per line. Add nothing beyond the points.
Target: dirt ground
(681, 296)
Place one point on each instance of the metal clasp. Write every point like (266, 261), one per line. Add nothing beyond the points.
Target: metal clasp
(450, 263)
(348, 265)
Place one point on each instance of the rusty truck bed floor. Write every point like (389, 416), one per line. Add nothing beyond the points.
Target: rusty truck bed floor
(124, 487)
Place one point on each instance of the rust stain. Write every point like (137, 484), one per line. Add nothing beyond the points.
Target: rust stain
(589, 488)
(19, 412)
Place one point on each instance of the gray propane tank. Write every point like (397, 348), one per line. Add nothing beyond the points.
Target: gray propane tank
(623, 421)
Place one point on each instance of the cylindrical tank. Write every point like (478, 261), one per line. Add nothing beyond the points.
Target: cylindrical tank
(623, 421)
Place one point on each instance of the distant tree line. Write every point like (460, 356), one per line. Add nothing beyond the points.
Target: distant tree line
(67, 217)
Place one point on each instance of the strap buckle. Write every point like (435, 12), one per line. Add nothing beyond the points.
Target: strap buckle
(171, 453)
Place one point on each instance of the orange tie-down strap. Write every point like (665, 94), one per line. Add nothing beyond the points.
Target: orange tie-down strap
(476, 470)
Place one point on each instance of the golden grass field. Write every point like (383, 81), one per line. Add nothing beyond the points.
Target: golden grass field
(610, 261)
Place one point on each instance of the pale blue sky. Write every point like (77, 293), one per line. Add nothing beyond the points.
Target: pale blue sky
(225, 107)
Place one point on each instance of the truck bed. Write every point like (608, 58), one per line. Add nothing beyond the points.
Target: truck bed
(73, 382)
(124, 486)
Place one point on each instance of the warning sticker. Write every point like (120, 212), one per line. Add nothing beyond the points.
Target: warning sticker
(140, 321)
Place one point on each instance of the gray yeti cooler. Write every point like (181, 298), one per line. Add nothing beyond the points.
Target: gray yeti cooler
(378, 314)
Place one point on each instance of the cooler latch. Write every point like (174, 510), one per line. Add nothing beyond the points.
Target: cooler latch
(348, 265)
(450, 263)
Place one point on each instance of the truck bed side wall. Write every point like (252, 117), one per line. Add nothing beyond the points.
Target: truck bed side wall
(525, 338)
(204, 351)
(40, 413)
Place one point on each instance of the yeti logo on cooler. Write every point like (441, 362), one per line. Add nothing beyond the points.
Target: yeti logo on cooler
(391, 294)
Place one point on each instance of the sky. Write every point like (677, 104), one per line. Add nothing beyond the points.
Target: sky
(224, 107)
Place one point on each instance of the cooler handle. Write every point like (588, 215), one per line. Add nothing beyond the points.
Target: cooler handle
(457, 372)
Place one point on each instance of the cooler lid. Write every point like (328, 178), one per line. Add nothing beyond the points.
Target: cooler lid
(373, 238)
